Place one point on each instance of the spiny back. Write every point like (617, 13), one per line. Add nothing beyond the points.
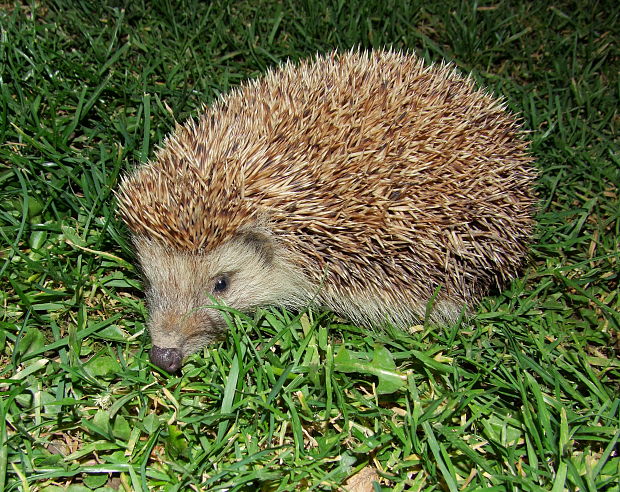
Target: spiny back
(382, 170)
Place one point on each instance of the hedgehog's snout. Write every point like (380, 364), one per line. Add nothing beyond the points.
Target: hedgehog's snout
(168, 359)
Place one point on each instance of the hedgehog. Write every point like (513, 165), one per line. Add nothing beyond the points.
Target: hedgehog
(368, 183)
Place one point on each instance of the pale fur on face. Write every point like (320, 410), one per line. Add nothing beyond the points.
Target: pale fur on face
(180, 286)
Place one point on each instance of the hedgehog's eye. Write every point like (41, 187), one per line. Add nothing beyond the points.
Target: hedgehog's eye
(220, 284)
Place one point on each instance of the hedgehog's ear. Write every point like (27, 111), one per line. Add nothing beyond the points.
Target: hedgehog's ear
(260, 240)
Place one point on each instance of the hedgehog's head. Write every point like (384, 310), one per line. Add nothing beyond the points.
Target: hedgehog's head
(199, 243)
(244, 272)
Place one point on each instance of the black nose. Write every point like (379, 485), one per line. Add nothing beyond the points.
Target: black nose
(166, 358)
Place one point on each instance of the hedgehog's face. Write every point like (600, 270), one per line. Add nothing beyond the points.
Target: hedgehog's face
(242, 273)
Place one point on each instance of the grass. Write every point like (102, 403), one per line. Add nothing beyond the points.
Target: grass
(522, 397)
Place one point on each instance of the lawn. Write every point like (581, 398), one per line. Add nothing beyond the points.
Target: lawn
(524, 395)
